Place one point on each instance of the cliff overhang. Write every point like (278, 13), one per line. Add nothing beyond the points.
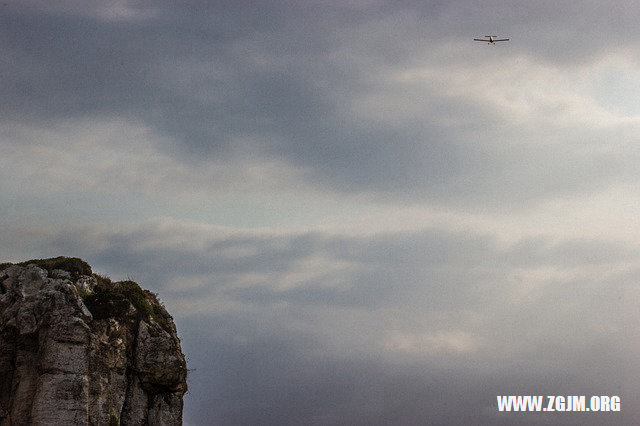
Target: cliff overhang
(78, 348)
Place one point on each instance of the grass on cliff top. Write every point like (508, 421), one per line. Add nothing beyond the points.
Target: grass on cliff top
(108, 299)
(75, 266)
(112, 299)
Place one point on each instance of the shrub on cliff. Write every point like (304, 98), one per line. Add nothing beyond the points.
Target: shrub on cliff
(75, 266)
(107, 299)
(112, 299)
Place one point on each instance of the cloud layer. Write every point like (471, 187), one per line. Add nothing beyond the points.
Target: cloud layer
(290, 328)
(377, 98)
(357, 214)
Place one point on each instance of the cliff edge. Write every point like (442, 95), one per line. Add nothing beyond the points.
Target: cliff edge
(79, 349)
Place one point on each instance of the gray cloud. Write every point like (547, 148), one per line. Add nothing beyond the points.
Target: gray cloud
(396, 328)
(284, 78)
(114, 112)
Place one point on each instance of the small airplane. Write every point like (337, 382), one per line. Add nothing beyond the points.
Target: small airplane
(491, 39)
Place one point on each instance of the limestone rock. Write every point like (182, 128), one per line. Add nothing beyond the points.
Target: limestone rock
(76, 348)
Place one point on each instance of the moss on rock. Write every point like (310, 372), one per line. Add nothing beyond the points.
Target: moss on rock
(107, 299)
(112, 300)
(74, 265)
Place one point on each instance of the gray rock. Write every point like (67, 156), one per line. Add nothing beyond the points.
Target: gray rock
(72, 352)
(61, 273)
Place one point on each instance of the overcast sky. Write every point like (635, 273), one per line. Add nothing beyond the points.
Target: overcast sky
(355, 213)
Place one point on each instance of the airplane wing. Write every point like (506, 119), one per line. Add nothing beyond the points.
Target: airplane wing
(502, 39)
(479, 39)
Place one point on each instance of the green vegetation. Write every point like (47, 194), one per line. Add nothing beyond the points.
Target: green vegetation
(113, 420)
(107, 299)
(112, 300)
(102, 279)
(75, 266)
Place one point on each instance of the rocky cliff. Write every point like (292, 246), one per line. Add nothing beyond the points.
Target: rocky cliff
(79, 349)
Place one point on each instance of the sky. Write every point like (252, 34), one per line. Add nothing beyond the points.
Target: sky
(355, 213)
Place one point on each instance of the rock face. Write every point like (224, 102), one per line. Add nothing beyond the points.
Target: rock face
(78, 349)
